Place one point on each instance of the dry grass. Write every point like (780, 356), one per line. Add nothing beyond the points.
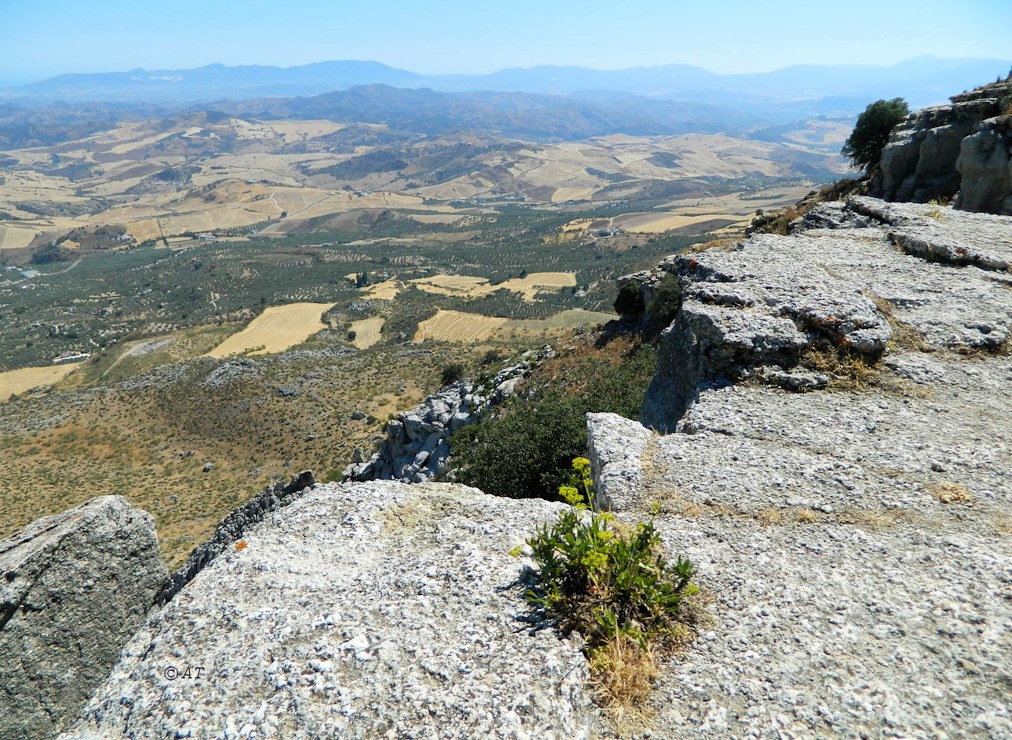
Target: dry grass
(19, 381)
(624, 672)
(847, 371)
(367, 331)
(950, 493)
(275, 330)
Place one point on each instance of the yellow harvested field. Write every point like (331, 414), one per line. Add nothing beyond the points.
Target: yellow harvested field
(474, 287)
(385, 291)
(367, 331)
(457, 326)
(19, 381)
(537, 281)
(16, 237)
(275, 330)
(561, 195)
(655, 223)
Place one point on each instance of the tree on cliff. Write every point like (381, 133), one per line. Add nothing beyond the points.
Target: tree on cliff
(871, 132)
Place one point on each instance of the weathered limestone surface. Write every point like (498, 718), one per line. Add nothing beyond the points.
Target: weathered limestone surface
(856, 541)
(356, 611)
(73, 589)
(985, 165)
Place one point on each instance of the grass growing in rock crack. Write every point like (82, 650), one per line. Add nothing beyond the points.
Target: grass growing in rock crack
(615, 587)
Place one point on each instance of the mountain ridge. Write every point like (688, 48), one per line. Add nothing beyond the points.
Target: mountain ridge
(924, 78)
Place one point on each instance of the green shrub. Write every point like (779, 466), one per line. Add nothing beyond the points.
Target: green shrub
(871, 132)
(523, 451)
(451, 373)
(525, 448)
(629, 301)
(615, 587)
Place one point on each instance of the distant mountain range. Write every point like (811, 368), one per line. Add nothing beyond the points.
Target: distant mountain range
(841, 89)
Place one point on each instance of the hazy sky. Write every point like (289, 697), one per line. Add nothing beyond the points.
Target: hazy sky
(47, 37)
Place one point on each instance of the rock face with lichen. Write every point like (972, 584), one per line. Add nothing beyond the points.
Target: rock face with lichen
(958, 150)
(74, 587)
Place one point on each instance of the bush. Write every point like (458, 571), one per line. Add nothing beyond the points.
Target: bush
(524, 450)
(629, 301)
(615, 587)
(871, 132)
(451, 373)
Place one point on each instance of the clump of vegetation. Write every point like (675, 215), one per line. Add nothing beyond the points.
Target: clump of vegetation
(629, 302)
(871, 132)
(546, 426)
(451, 373)
(615, 586)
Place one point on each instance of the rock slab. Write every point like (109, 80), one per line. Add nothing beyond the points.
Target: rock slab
(372, 609)
(74, 587)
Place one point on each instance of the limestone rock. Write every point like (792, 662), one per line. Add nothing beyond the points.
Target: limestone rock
(960, 149)
(855, 542)
(360, 610)
(986, 167)
(416, 447)
(755, 306)
(73, 589)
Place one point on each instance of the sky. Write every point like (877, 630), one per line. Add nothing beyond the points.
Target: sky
(43, 38)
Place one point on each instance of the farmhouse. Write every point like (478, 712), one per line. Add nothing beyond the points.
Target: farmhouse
(29, 274)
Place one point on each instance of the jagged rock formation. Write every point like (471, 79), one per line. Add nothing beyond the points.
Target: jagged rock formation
(855, 540)
(360, 610)
(74, 588)
(417, 446)
(958, 148)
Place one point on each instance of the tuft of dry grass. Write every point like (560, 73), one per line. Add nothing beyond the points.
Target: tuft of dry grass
(847, 371)
(950, 493)
(624, 671)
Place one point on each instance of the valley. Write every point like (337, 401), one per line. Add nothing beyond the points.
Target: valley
(180, 292)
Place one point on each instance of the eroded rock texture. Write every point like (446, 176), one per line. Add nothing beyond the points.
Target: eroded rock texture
(856, 540)
(359, 610)
(73, 589)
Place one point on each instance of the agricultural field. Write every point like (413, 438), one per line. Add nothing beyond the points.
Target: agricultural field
(18, 381)
(457, 326)
(472, 287)
(367, 331)
(275, 330)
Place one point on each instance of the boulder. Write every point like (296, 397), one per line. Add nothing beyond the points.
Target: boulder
(361, 610)
(74, 587)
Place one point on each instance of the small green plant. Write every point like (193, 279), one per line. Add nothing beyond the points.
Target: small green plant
(615, 587)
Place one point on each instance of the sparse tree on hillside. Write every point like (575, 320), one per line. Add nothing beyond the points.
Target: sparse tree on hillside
(871, 132)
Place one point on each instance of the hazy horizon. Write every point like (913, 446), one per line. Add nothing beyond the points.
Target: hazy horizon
(449, 37)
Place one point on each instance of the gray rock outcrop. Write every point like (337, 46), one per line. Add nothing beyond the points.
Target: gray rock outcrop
(416, 447)
(74, 587)
(959, 148)
(360, 610)
(855, 540)
(985, 165)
